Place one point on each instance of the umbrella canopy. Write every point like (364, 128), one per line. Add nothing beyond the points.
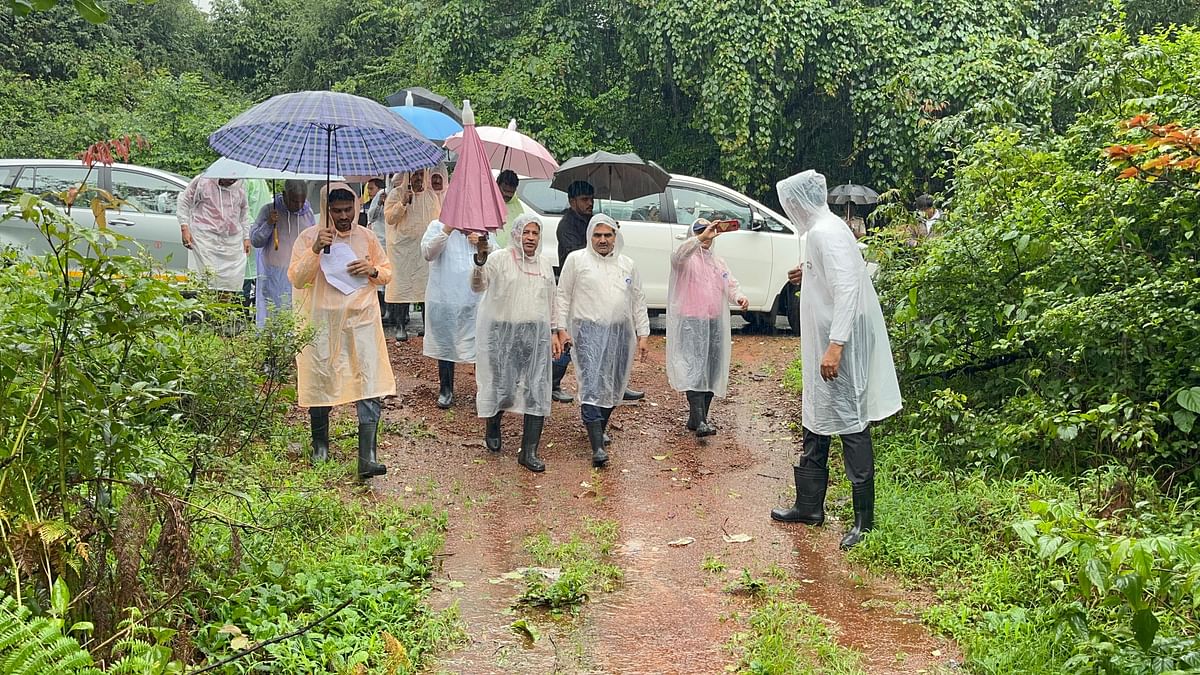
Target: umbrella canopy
(231, 168)
(473, 201)
(853, 194)
(327, 133)
(620, 177)
(423, 98)
(433, 124)
(508, 148)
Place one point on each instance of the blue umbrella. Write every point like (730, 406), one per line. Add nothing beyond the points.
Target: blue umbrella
(435, 125)
(325, 132)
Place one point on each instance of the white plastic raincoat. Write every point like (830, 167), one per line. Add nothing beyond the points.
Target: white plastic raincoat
(450, 304)
(219, 222)
(602, 306)
(838, 304)
(698, 338)
(513, 327)
(347, 360)
(406, 223)
(273, 249)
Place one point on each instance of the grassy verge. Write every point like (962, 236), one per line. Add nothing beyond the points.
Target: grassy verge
(570, 572)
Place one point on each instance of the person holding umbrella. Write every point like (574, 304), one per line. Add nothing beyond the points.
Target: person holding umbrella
(514, 333)
(334, 294)
(273, 236)
(602, 308)
(411, 206)
(698, 338)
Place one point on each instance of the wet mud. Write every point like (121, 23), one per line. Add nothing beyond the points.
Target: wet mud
(662, 484)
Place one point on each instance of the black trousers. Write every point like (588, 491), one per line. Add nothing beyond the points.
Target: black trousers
(857, 454)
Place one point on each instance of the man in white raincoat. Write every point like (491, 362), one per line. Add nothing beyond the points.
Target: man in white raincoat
(450, 304)
(215, 228)
(514, 336)
(347, 361)
(273, 237)
(698, 339)
(849, 377)
(602, 308)
(411, 206)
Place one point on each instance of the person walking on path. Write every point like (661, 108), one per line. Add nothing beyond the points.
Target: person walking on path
(514, 330)
(603, 310)
(411, 206)
(698, 334)
(848, 373)
(215, 228)
(347, 360)
(273, 236)
(450, 303)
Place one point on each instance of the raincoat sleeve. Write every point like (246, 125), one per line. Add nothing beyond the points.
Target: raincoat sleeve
(243, 215)
(378, 257)
(394, 208)
(641, 317)
(434, 241)
(302, 271)
(843, 267)
(187, 199)
(566, 286)
(733, 289)
(480, 274)
(262, 230)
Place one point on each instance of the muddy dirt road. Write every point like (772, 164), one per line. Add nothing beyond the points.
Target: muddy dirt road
(668, 615)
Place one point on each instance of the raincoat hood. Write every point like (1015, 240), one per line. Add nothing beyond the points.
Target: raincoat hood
(518, 232)
(618, 245)
(325, 219)
(804, 198)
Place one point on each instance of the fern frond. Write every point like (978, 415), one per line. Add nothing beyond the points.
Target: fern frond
(36, 645)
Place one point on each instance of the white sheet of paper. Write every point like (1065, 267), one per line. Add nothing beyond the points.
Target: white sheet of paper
(333, 264)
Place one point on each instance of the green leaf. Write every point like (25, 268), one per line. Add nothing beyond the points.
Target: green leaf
(91, 10)
(60, 597)
(1189, 399)
(1184, 420)
(1095, 573)
(1145, 626)
(85, 626)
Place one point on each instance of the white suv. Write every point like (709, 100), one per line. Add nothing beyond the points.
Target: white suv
(149, 218)
(759, 254)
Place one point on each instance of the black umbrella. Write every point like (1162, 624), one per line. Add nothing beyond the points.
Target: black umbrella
(423, 98)
(620, 177)
(853, 194)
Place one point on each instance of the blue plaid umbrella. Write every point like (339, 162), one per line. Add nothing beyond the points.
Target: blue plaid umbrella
(325, 132)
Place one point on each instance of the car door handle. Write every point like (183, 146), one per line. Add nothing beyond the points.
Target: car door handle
(681, 237)
(120, 221)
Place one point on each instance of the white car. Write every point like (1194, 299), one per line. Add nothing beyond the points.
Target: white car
(759, 254)
(149, 217)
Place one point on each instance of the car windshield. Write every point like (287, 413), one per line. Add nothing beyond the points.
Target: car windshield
(544, 199)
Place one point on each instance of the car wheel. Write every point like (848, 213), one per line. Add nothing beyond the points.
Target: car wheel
(792, 304)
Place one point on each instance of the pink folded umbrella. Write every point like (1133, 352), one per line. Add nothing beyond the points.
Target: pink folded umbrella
(473, 202)
(511, 149)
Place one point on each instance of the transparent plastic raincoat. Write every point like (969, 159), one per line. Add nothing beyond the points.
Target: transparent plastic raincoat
(406, 223)
(273, 248)
(450, 304)
(698, 338)
(347, 360)
(219, 221)
(838, 304)
(513, 327)
(602, 306)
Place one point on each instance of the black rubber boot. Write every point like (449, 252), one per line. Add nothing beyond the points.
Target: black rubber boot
(445, 384)
(596, 440)
(695, 409)
(556, 393)
(704, 428)
(385, 311)
(492, 437)
(400, 319)
(367, 466)
(811, 483)
(631, 395)
(531, 438)
(864, 513)
(319, 422)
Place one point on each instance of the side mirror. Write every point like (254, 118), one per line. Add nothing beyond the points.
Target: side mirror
(758, 224)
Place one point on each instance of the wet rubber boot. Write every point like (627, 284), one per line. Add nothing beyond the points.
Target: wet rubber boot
(445, 397)
(811, 483)
(596, 440)
(704, 428)
(319, 422)
(492, 437)
(531, 438)
(400, 319)
(632, 395)
(864, 513)
(368, 467)
(556, 393)
(695, 409)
